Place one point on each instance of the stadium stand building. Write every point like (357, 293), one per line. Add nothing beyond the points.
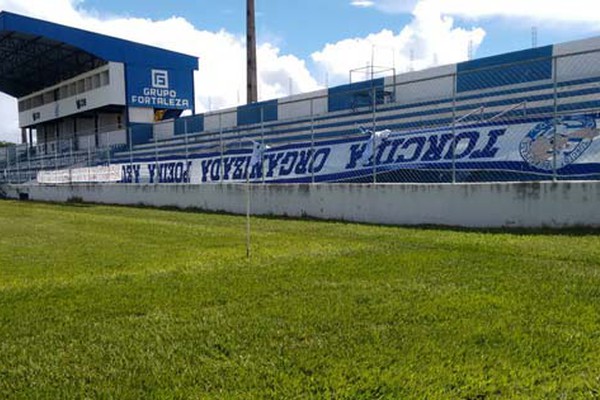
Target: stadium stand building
(525, 115)
(86, 88)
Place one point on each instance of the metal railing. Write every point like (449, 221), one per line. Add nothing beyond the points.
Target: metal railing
(530, 120)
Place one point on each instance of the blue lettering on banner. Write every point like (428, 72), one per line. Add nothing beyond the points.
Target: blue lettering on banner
(130, 174)
(280, 164)
(172, 172)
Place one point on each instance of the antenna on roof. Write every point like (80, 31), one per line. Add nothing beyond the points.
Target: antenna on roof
(534, 37)
(251, 80)
(470, 50)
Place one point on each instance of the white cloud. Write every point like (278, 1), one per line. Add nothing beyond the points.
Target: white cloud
(430, 39)
(221, 77)
(566, 12)
(362, 3)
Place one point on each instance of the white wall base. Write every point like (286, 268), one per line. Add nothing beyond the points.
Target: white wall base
(522, 204)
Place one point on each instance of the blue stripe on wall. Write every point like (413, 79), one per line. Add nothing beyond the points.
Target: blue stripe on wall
(523, 66)
(193, 124)
(251, 113)
(355, 95)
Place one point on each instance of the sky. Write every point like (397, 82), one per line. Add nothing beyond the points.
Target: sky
(310, 44)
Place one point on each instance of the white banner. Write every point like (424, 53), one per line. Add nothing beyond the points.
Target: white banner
(99, 174)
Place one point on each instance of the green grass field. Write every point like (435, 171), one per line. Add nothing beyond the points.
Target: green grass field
(126, 303)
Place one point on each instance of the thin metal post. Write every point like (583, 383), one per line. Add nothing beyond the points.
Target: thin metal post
(18, 166)
(262, 142)
(156, 170)
(29, 169)
(8, 165)
(374, 130)
(108, 148)
(5, 172)
(185, 136)
(555, 120)
(56, 153)
(71, 152)
(42, 156)
(248, 189)
(454, 79)
(312, 141)
(130, 147)
(221, 145)
(89, 150)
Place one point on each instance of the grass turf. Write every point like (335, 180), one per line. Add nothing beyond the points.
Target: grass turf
(114, 302)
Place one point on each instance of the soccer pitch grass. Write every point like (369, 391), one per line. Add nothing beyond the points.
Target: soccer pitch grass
(115, 302)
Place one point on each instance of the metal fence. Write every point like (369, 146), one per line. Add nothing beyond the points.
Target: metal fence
(522, 120)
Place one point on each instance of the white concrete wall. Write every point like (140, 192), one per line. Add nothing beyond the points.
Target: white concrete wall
(469, 205)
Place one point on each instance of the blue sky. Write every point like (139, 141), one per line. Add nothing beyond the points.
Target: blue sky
(307, 45)
(302, 27)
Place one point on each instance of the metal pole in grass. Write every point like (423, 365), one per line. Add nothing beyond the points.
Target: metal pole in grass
(248, 212)
(255, 158)
(248, 204)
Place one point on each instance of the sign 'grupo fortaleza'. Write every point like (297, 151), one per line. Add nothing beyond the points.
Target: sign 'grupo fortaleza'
(159, 88)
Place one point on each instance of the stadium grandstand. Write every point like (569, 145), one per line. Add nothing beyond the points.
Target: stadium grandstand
(90, 100)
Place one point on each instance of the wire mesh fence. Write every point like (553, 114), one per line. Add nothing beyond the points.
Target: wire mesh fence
(523, 120)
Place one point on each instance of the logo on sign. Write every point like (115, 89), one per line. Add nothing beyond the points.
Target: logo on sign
(81, 103)
(574, 134)
(160, 79)
(159, 94)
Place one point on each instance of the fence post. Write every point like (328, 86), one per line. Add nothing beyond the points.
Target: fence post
(89, 150)
(156, 170)
(8, 173)
(108, 148)
(221, 147)
(18, 166)
(374, 94)
(312, 141)
(42, 157)
(555, 119)
(185, 136)
(71, 146)
(129, 134)
(454, 80)
(262, 142)
(29, 169)
(56, 153)
(5, 170)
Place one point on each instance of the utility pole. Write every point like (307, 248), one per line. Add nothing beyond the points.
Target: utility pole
(251, 80)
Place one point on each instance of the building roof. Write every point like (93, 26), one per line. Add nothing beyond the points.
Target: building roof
(36, 54)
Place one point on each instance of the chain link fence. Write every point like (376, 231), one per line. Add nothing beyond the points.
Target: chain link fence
(532, 120)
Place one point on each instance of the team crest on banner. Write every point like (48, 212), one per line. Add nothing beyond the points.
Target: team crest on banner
(574, 135)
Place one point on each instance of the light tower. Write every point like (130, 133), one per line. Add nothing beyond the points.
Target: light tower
(251, 80)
